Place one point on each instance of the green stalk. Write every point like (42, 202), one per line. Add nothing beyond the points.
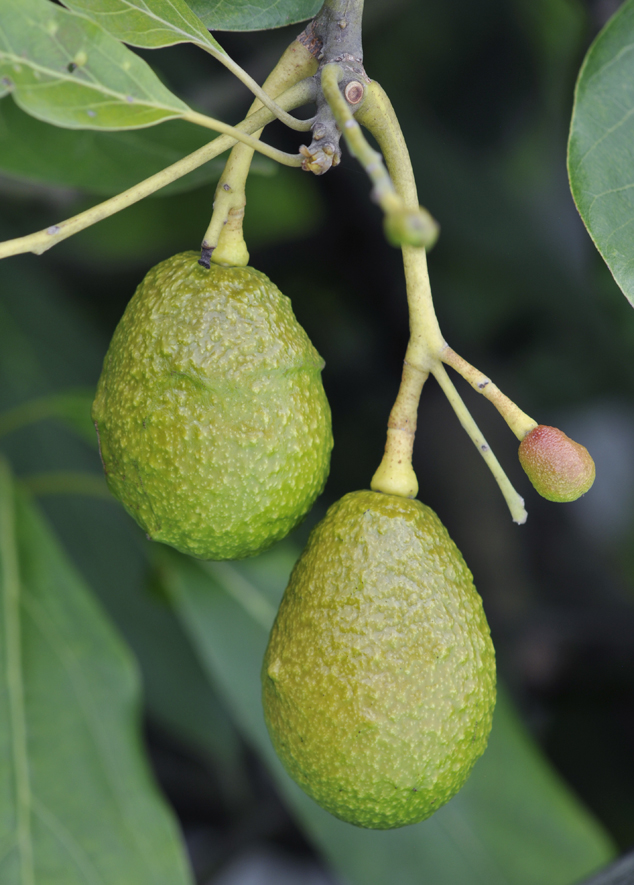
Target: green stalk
(426, 347)
(224, 239)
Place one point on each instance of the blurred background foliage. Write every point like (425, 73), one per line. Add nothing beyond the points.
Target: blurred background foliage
(484, 94)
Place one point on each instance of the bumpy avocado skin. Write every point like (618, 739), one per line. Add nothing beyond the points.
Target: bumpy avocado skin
(213, 423)
(379, 677)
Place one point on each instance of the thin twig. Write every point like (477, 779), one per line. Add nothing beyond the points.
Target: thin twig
(254, 143)
(519, 422)
(224, 238)
(426, 344)
(258, 91)
(514, 501)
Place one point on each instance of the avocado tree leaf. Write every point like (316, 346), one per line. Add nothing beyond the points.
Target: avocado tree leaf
(177, 693)
(253, 15)
(64, 69)
(513, 822)
(147, 23)
(78, 804)
(601, 145)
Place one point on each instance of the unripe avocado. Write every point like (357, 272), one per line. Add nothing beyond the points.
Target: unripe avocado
(560, 469)
(213, 423)
(379, 676)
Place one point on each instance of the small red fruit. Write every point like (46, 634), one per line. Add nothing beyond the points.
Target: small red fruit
(559, 468)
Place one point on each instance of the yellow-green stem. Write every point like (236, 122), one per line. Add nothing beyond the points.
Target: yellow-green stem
(254, 143)
(224, 238)
(404, 224)
(514, 501)
(519, 422)
(43, 240)
(395, 474)
(371, 160)
(426, 344)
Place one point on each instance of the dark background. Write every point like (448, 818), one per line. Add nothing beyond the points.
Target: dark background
(484, 91)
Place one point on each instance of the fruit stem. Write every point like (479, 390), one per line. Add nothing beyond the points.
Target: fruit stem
(426, 344)
(224, 240)
(43, 240)
(395, 474)
(404, 224)
(519, 422)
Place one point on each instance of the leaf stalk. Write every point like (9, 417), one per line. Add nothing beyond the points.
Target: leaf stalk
(261, 92)
(255, 144)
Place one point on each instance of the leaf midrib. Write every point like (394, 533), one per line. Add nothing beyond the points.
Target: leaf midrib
(15, 688)
(58, 76)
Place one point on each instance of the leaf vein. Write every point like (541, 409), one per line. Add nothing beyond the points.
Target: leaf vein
(68, 842)
(605, 135)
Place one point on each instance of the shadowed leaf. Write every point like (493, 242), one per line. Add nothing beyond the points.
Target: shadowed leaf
(78, 804)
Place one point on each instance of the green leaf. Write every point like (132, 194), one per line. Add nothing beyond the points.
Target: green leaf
(178, 695)
(253, 15)
(147, 23)
(46, 344)
(601, 146)
(78, 805)
(514, 822)
(66, 70)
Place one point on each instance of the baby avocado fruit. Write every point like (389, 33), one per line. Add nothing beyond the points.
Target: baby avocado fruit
(560, 469)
